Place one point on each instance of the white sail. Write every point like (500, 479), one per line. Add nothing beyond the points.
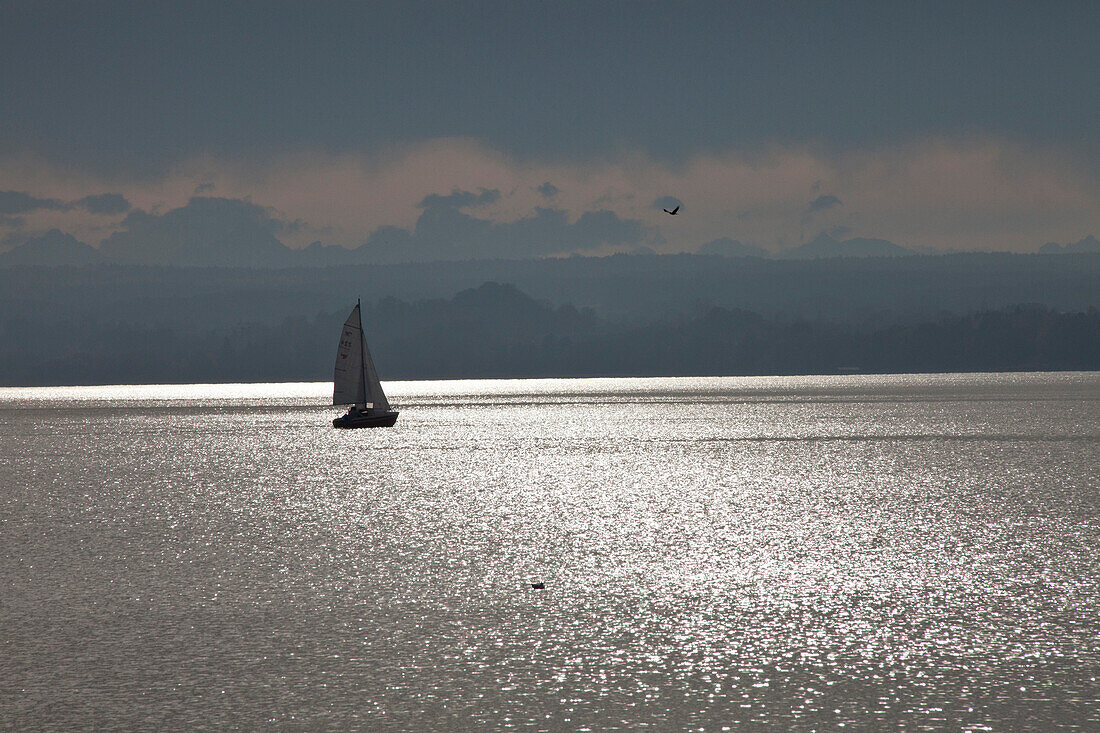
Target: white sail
(354, 379)
(376, 398)
(348, 386)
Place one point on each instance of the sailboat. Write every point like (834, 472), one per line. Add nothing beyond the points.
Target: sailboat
(355, 381)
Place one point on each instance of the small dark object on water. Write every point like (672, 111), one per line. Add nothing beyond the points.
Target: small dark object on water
(538, 586)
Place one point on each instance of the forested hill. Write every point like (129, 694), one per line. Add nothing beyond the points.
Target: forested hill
(627, 288)
(497, 331)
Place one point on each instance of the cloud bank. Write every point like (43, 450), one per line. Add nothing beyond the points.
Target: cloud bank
(204, 232)
(444, 232)
(459, 198)
(21, 202)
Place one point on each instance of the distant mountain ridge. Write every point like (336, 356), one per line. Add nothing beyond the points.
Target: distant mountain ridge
(824, 246)
(1088, 244)
(54, 248)
(726, 247)
(233, 233)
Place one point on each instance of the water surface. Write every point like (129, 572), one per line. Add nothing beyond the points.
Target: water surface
(771, 553)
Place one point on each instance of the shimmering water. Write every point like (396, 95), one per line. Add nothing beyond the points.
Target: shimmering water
(784, 553)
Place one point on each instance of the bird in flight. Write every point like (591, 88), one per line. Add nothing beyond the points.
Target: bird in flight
(673, 212)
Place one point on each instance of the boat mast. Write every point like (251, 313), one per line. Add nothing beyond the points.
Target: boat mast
(362, 355)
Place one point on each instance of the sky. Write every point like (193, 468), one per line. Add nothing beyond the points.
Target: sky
(454, 130)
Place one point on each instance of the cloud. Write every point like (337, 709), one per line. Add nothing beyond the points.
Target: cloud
(973, 194)
(443, 232)
(202, 188)
(12, 222)
(461, 199)
(104, 203)
(21, 202)
(205, 232)
(821, 203)
(548, 190)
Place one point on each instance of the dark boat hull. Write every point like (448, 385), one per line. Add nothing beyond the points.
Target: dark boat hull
(383, 420)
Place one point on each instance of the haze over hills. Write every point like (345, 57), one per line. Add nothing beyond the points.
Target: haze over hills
(495, 330)
(174, 296)
(225, 232)
(727, 247)
(621, 287)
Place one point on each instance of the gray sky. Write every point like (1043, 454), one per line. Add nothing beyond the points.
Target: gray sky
(969, 125)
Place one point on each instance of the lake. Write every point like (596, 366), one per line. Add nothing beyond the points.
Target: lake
(868, 552)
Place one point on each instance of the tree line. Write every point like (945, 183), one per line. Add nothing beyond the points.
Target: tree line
(496, 330)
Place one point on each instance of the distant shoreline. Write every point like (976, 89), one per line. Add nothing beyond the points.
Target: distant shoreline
(327, 384)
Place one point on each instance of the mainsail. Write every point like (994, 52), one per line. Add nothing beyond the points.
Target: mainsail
(354, 379)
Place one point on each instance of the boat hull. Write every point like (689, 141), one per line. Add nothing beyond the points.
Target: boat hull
(382, 420)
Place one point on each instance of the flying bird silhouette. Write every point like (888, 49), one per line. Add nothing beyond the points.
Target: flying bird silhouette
(673, 212)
